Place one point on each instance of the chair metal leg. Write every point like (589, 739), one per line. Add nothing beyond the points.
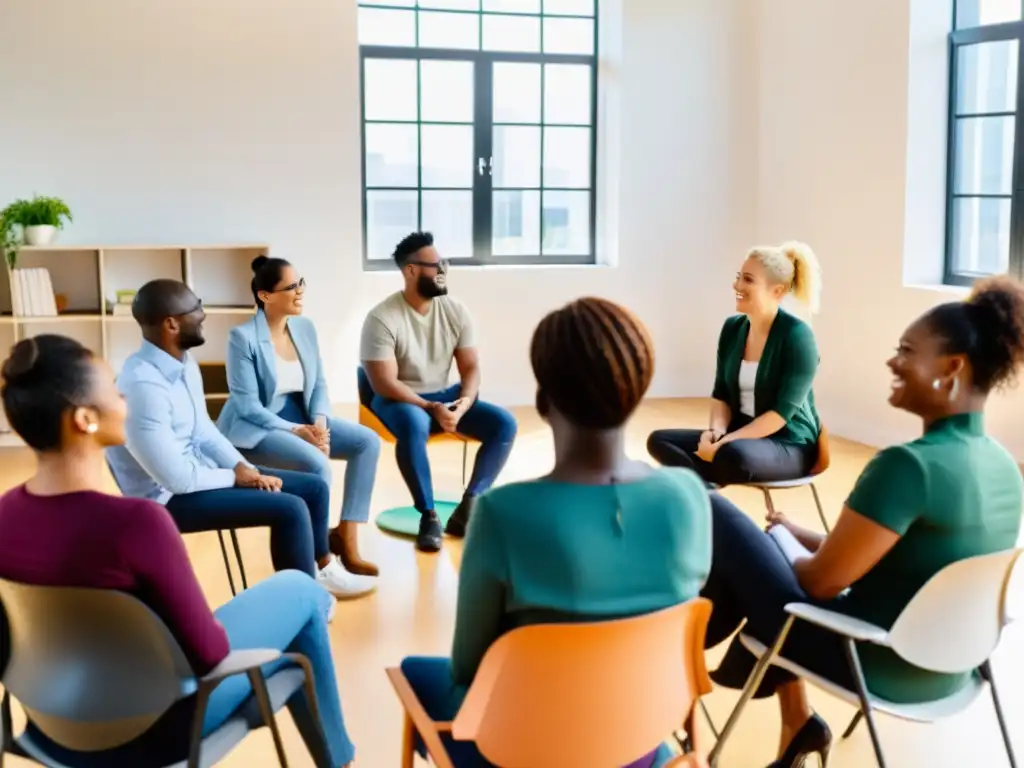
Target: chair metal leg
(986, 672)
(238, 557)
(862, 693)
(227, 563)
(768, 503)
(821, 512)
(6, 726)
(465, 461)
(756, 676)
(707, 716)
(321, 754)
(853, 724)
(259, 687)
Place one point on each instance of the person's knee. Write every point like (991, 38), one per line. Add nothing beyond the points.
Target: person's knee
(293, 581)
(368, 443)
(505, 427)
(656, 446)
(738, 461)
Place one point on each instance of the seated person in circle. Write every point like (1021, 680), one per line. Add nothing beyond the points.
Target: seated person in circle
(408, 343)
(951, 494)
(600, 537)
(764, 426)
(279, 411)
(60, 529)
(175, 455)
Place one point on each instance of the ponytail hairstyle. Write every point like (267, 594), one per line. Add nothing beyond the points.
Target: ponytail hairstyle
(266, 274)
(987, 328)
(794, 265)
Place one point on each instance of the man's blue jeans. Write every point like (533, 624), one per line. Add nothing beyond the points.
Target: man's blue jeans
(494, 427)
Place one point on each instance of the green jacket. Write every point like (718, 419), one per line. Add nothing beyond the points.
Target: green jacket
(784, 375)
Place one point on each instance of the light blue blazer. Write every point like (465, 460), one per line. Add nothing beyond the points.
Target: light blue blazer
(250, 413)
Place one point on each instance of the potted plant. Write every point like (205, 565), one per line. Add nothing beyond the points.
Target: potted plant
(38, 219)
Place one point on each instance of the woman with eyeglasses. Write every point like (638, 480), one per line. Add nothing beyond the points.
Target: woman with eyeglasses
(279, 411)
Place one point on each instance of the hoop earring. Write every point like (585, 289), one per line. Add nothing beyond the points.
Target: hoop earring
(954, 390)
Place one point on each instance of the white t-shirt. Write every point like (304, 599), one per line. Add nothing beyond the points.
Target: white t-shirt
(290, 377)
(748, 377)
(423, 345)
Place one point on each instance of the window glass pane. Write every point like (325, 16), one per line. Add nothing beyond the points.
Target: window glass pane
(568, 35)
(449, 30)
(513, 6)
(389, 89)
(516, 89)
(984, 155)
(567, 157)
(516, 223)
(512, 33)
(381, 26)
(451, 5)
(570, 7)
(566, 222)
(987, 77)
(446, 91)
(390, 216)
(976, 13)
(516, 156)
(401, 3)
(981, 235)
(448, 158)
(449, 216)
(392, 159)
(567, 94)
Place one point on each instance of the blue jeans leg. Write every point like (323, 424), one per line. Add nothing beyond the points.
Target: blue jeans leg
(355, 444)
(286, 612)
(297, 517)
(411, 427)
(495, 428)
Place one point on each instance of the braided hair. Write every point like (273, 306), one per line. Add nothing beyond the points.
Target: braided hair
(593, 361)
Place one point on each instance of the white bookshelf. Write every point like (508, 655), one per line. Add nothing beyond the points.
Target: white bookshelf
(89, 277)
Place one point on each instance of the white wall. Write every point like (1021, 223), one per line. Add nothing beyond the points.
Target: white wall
(836, 79)
(238, 120)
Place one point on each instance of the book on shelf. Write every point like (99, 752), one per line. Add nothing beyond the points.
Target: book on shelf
(32, 293)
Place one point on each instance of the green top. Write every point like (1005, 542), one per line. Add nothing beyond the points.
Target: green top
(545, 551)
(951, 494)
(785, 374)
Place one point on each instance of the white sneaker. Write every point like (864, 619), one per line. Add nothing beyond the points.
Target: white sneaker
(342, 584)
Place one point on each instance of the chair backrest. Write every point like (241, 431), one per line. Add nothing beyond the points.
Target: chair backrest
(365, 388)
(584, 695)
(955, 620)
(92, 668)
(824, 453)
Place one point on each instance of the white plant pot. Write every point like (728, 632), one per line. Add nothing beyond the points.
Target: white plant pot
(42, 234)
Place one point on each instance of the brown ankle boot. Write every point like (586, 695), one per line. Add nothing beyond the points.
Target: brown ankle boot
(344, 542)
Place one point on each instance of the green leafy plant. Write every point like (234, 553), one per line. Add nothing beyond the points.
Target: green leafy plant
(39, 211)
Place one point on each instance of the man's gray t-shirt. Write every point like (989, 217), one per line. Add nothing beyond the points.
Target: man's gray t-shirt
(423, 345)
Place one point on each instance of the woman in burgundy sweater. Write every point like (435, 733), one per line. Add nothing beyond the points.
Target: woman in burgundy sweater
(60, 529)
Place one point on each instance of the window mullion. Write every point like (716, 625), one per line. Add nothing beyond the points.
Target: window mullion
(1016, 266)
(483, 140)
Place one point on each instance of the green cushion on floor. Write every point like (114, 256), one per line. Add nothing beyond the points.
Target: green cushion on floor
(405, 521)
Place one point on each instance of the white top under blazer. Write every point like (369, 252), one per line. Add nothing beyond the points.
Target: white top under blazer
(748, 376)
(290, 377)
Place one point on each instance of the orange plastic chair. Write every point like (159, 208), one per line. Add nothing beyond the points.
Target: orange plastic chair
(594, 695)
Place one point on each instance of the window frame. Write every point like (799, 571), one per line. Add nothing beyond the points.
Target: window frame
(483, 189)
(958, 38)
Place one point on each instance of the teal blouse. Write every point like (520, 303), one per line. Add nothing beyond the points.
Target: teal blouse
(545, 551)
(785, 374)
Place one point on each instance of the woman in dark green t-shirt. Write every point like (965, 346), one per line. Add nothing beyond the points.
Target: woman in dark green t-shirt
(951, 494)
(763, 424)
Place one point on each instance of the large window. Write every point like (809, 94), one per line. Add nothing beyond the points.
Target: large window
(985, 204)
(479, 125)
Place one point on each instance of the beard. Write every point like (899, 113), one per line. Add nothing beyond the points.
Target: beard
(191, 339)
(429, 289)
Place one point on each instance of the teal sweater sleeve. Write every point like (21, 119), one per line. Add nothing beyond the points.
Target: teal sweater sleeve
(799, 364)
(482, 592)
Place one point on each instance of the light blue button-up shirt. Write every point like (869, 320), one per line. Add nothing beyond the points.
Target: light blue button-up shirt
(173, 447)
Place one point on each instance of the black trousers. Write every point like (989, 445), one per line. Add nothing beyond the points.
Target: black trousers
(741, 461)
(749, 586)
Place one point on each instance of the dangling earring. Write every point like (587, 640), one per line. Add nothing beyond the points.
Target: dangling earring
(954, 390)
(92, 429)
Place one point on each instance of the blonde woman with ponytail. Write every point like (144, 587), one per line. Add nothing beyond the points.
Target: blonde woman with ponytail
(763, 425)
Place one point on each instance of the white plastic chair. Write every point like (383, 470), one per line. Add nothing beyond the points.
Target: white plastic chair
(952, 625)
(94, 669)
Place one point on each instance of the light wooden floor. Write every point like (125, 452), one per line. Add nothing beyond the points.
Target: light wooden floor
(413, 613)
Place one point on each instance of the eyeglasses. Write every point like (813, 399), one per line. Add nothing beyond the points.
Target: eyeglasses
(440, 266)
(197, 308)
(299, 286)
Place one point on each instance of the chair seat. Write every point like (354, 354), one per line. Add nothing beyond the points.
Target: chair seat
(281, 686)
(921, 712)
(778, 485)
(369, 419)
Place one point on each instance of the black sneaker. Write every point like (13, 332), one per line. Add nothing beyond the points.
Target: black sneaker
(460, 517)
(429, 537)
